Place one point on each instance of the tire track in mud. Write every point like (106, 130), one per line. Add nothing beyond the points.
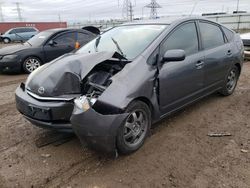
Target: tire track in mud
(2, 84)
(90, 163)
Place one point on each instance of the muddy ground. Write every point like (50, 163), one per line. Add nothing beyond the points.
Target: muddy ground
(177, 154)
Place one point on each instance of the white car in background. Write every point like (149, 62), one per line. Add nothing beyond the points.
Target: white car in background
(246, 41)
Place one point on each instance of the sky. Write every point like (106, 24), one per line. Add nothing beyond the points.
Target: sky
(82, 10)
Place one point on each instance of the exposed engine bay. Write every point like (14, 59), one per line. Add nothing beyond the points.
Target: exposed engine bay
(99, 78)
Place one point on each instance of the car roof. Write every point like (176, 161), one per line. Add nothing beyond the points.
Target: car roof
(165, 21)
(22, 27)
(59, 30)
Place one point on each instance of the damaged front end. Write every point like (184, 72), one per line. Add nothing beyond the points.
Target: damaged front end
(95, 129)
(67, 97)
(93, 122)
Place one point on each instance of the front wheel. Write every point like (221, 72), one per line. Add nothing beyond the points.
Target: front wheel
(230, 82)
(133, 132)
(6, 40)
(30, 64)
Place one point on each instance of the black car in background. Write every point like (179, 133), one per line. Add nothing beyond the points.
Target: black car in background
(42, 48)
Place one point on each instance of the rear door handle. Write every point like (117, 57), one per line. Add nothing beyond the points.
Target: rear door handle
(199, 65)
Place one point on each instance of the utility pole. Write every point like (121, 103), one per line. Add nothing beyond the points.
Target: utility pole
(59, 17)
(153, 6)
(19, 13)
(1, 12)
(128, 10)
(237, 9)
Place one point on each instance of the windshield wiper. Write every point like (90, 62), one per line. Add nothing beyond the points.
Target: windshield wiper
(22, 38)
(118, 47)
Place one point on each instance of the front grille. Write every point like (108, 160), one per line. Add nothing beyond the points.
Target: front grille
(246, 42)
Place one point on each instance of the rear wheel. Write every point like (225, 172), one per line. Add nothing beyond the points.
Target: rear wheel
(30, 64)
(133, 132)
(230, 82)
(6, 40)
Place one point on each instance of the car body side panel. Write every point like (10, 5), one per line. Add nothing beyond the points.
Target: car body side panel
(140, 83)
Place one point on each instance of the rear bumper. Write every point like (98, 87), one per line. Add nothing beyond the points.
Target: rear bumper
(46, 114)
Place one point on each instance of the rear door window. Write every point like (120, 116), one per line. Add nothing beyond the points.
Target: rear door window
(211, 35)
(184, 37)
(84, 38)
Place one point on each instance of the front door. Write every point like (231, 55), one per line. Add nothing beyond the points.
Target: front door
(182, 81)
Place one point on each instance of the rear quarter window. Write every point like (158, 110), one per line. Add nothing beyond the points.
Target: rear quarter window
(229, 34)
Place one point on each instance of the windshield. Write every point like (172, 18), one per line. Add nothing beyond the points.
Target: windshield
(129, 41)
(38, 39)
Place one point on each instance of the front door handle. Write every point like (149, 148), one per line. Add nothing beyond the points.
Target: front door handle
(229, 52)
(199, 65)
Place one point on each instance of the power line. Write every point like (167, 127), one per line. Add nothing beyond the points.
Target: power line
(19, 11)
(153, 6)
(1, 12)
(128, 10)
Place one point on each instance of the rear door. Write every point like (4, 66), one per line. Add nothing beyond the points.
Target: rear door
(63, 43)
(218, 54)
(23, 33)
(181, 82)
(30, 32)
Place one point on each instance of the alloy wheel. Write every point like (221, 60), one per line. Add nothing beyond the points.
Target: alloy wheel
(32, 64)
(6, 40)
(231, 80)
(135, 128)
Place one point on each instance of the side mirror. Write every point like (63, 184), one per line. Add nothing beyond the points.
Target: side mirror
(174, 55)
(51, 43)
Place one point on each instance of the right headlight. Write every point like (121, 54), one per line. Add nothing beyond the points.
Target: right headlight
(8, 57)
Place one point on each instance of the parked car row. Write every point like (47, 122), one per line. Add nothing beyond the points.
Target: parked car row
(111, 90)
(42, 48)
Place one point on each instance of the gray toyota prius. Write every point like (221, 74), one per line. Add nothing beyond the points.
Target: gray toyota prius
(114, 88)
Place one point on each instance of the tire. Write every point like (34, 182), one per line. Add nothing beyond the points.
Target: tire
(134, 130)
(6, 40)
(230, 82)
(30, 64)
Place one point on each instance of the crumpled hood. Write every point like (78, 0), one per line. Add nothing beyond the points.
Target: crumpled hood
(13, 49)
(63, 76)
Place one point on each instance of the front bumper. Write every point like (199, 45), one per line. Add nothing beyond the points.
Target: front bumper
(9, 66)
(97, 130)
(46, 114)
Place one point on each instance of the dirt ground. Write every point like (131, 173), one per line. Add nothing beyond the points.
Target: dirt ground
(177, 154)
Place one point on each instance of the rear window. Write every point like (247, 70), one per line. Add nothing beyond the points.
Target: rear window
(229, 34)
